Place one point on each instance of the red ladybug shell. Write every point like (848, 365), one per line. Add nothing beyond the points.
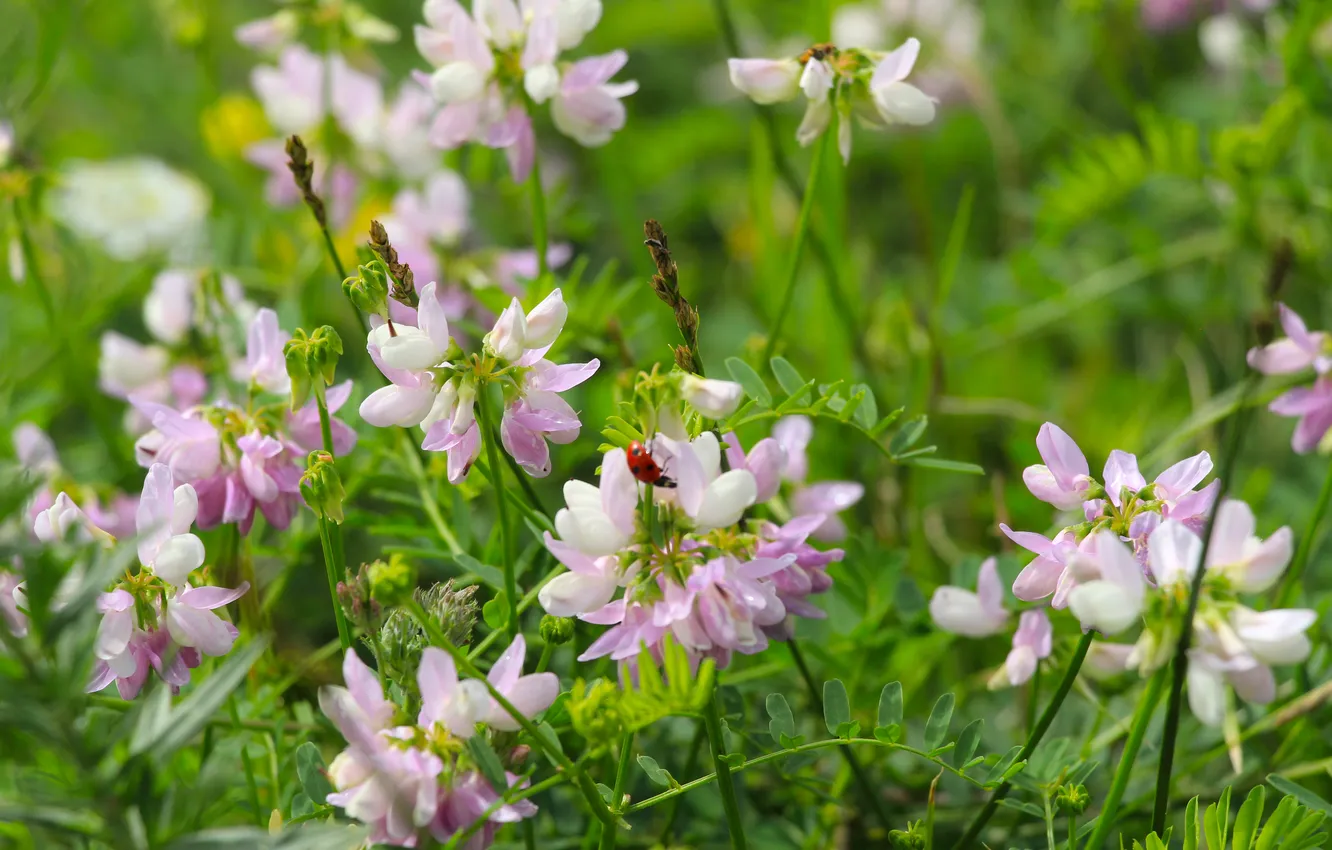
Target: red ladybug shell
(643, 467)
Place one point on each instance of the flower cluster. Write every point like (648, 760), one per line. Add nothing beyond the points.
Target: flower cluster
(307, 95)
(435, 385)
(406, 781)
(187, 312)
(1233, 644)
(1124, 504)
(154, 620)
(1300, 349)
(687, 566)
(490, 65)
(111, 512)
(239, 459)
(869, 83)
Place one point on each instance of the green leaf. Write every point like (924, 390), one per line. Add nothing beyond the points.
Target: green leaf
(308, 836)
(1002, 765)
(780, 721)
(1247, 819)
(789, 379)
(734, 760)
(936, 727)
(310, 769)
(1306, 835)
(656, 773)
(967, 743)
(194, 712)
(890, 734)
(1278, 824)
(1216, 819)
(551, 737)
(487, 761)
(890, 704)
(908, 434)
(848, 730)
(1154, 842)
(488, 574)
(945, 465)
(744, 375)
(301, 805)
(836, 707)
(1300, 793)
(800, 398)
(867, 414)
(151, 720)
(1192, 827)
(496, 612)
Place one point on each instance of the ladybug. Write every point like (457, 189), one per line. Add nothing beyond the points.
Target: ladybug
(644, 468)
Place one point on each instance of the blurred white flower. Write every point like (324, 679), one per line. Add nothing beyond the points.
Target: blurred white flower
(132, 207)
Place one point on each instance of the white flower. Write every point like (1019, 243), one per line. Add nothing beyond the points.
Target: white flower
(1109, 595)
(766, 80)
(1252, 564)
(127, 366)
(713, 398)
(979, 614)
(899, 102)
(713, 499)
(132, 207)
(61, 520)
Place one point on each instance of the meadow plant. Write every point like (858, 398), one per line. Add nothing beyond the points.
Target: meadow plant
(405, 599)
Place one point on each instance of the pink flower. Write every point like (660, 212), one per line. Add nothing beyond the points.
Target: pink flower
(979, 614)
(715, 399)
(538, 413)
(802, 578)
(265, 364)
(530, 694)
(1299, 350)
(163, 520)
(766, 81)
(826, 498)
(186, 443)
(765, 461)
(127, 367)
(271, 33)
(1110, 588)
(1313, 406)
(1064, 479)
(192, 624)
(437, 215)
(1032, 642)
(587, 107)
(15, 619)
(1045, 574)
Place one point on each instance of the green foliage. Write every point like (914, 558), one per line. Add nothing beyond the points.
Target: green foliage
(1290, 826)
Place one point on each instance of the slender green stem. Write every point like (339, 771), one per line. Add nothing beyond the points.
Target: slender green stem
(247, 764)
(712, 720)
(425, 490)
(1180, 665)
(544, 661)
(695, 747)
(798, 246)
(1042, 726)
(325, 424)
(331, 566)
(1049, 821)
(814, 746)
(506, 798)
(1143, 716)
(1290, 582)
(1072, 830)
(506, 533)
(867, 791)
(1033, 699)
(608, 831)
(540, 238)
(467, 668)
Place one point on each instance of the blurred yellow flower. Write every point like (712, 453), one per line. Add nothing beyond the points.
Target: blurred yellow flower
(232, 124)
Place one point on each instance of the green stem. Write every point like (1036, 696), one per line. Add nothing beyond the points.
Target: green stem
(544, 661)
(608, 831)
(695, 746)
(1141, 718)
(1290, 583)
(330, 567)
(540, 238)
(506, 798)
(506, 533)
(798, 247)
(1049, 821)
(867, 791)
(1033, 699)
(423, 488)
(1180, 665)
(1042, 726)
(813, 746)
(247, 765)
(467, 668)
(712, 720)
(325, 425)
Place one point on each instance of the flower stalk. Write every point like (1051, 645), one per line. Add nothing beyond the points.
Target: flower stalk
(798, 246)
(1143, 716)
(502, 507)
(1037, 733)
(712, 720)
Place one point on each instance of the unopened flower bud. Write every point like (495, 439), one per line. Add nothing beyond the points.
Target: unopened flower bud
(911, 838)
(311, 358)
(1073, 799)
(321, 486)
(713, 398)
(557, 630)
(368, 289)
(392, 581)
(354, 597)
